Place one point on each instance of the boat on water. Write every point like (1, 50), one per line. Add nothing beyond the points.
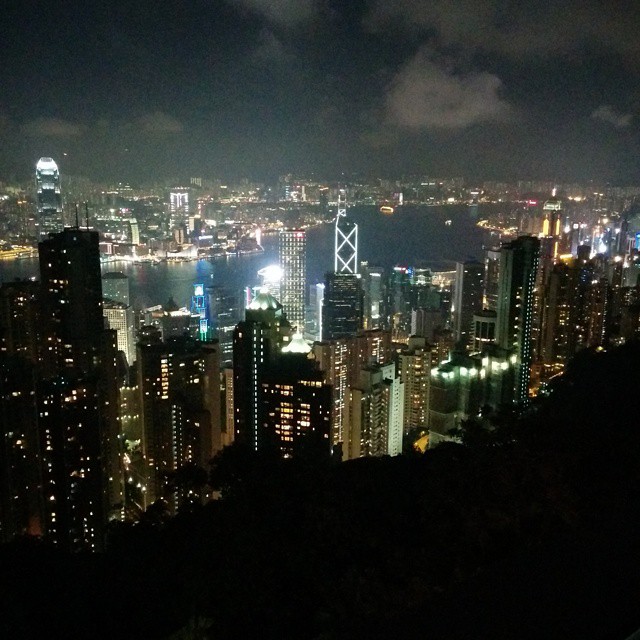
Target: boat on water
(387, 209)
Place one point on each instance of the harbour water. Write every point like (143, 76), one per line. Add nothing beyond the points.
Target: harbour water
(432, 236)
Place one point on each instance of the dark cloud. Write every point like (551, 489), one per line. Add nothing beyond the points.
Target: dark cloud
(52, 128)
(515, 28)
(283, 12)
(158, 122)
(606, 113)
(270, 49)
(253, 86)
(427, 93)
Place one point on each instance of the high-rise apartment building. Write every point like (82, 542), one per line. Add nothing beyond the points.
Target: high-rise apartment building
(294, 409)
(374, 418)
(293, 262)
(257, 342)
(467, 298)
(414, 366)
(518, 268)
(78, 397)
(180, 404)
(20, 319)
(341, 362)
(72, 298)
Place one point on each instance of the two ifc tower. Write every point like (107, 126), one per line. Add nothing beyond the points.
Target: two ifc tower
(49, 198)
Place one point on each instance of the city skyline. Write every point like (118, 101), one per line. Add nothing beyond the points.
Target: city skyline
(249, 87)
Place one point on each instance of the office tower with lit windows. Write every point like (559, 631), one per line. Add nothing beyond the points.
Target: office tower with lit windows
(224, 313)
(120, 318)
(484, 330)
(342, 306)
(48, 196)
(257, 342)
(373, 286)
(491, 277)
(134, 232)
(518, 268)
(294, 412)
(314, 312)
(292, 247)
(553, 223)
(178, 207)
(398, 302)
(467, 298)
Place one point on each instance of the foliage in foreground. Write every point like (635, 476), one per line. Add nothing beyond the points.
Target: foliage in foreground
(529, 531)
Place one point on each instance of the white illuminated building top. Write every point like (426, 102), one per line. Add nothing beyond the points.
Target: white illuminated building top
(47, 165)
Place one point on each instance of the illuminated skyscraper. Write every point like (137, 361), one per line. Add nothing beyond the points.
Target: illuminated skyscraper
(373, 285)
(293, 262)
(225, 311)
(48, 197)
(295, 405)
(178, 207)
(72, 296)
(78, 403)
(342, 306)
(120, 319)
(257, 342)
(491, 275)
(518, 267)
(346, 240)
(553, 222)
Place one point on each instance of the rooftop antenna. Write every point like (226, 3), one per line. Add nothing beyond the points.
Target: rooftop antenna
(77, 223)
(86, 210)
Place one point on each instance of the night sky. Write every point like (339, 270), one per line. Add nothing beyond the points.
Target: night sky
(484, 88)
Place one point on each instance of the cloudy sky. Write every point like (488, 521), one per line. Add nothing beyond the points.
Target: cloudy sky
(483, 88)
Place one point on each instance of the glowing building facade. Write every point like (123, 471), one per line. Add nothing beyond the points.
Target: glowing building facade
(48, 196)
(293, 262)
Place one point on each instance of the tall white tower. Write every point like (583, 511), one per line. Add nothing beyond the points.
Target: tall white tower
(48, 197)
(293, 262)
(346, 239)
